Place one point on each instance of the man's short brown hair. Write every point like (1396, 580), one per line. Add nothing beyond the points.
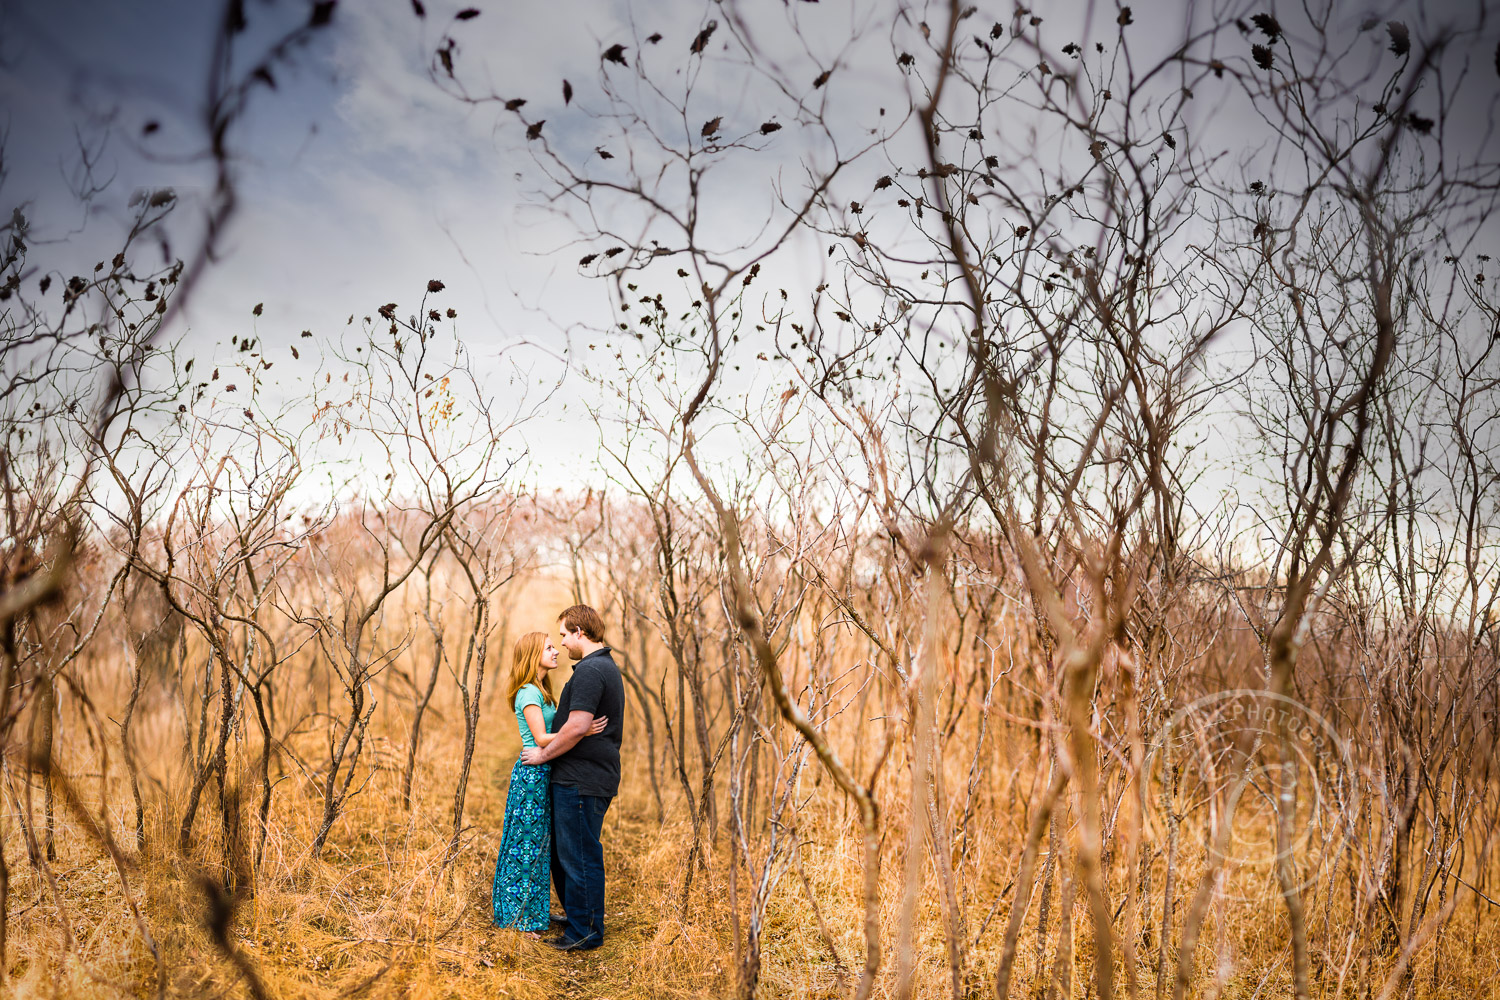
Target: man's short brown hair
(585, 619)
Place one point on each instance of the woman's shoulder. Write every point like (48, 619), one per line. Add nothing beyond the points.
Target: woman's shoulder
(529, 694)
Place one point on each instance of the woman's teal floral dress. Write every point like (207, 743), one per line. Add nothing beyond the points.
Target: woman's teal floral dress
(523, 870)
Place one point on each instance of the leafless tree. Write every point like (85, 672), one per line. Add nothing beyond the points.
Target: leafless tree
(441, 439)
(1058, 299)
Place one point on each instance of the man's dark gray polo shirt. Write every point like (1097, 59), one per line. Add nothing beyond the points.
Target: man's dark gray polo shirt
(593, 765)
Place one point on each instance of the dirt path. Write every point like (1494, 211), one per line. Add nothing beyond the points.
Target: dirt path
(600, 973)
(603, 973)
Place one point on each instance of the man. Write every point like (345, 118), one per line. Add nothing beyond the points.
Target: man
(585, 775)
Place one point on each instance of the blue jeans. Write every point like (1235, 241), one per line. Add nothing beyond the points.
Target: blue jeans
(578, 868)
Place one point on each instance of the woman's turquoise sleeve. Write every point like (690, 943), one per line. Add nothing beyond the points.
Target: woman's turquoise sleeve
(530, 694)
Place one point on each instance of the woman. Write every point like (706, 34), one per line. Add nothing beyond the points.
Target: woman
(524, 865)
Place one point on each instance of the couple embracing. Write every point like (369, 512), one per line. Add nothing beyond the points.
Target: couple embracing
(562, 784)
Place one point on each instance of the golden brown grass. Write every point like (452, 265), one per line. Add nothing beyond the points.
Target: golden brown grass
(379, 915)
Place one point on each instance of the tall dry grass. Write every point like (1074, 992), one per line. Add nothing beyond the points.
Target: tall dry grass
(379, 913)
(383, 913)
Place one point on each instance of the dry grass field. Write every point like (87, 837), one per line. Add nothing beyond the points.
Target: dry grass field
(381, 913)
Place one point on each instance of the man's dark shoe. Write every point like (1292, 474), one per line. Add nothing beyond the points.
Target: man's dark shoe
(558, 918)
(562, 943)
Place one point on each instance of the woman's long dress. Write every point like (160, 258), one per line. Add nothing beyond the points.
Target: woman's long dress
(523, 869)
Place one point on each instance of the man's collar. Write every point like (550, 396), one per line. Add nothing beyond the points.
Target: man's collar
(601, 651)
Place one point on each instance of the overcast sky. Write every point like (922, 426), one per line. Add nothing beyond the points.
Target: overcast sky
(360, 179)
